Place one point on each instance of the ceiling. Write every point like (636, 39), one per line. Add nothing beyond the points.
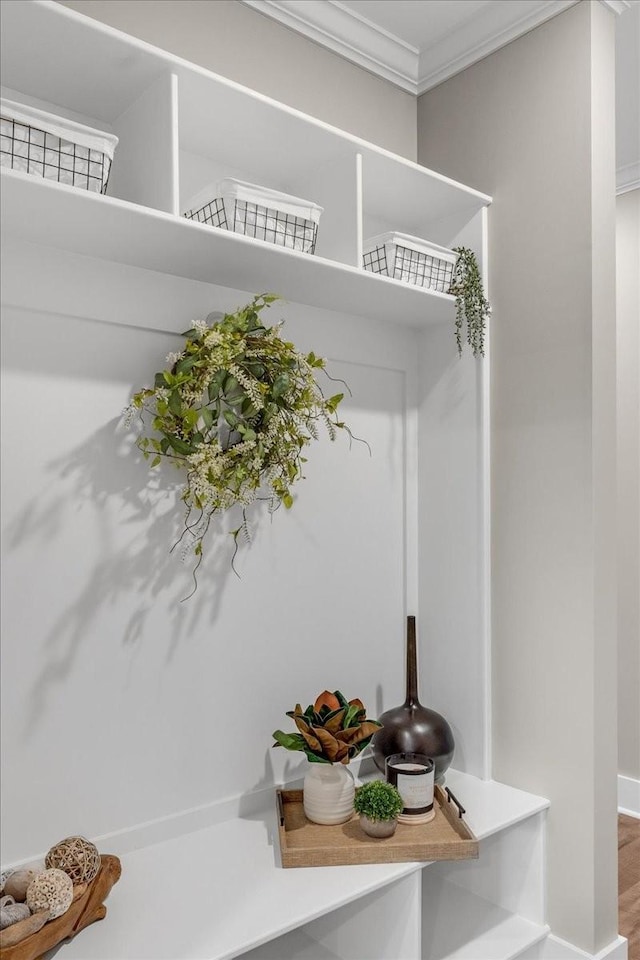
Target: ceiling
(419, 28)
(416, 44)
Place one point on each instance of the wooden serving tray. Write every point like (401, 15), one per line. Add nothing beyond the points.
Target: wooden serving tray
(306, 844)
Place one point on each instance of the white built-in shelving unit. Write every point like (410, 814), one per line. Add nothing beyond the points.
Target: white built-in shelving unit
(247, 906)
(181, 127)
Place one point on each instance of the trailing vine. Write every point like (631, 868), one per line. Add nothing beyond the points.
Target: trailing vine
(472, 307)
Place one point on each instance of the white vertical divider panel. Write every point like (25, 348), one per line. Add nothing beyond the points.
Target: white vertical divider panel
(385, 925)
(175, 146)
(509, 872)
(453, 534)
(360, 210)
(412, 491)
(458, 919)
(334, 186)
(475, 235)
(484, 438)
(145, 168)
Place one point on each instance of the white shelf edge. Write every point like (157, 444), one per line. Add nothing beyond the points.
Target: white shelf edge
(106, 227)
(184, 822)
(173, 62)
(482, 797)
(307, 258)
(94, 947)
(513, 821)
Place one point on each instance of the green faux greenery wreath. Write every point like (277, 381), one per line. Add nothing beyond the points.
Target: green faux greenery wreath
(235, 409)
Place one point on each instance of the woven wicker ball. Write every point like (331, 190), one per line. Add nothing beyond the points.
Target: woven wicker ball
(52, 891)
(79, 858)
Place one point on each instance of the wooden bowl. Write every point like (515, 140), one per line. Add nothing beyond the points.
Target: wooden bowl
(87, 907)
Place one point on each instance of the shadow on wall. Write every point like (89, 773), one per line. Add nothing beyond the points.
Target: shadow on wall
(98, 498)
(90, 525)
(143, 566)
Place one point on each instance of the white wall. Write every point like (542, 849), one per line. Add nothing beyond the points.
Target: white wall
(132, 707)
(628, 314)
(120, 704)
(628, 96)
(533, 125)
(454, 530)
(237, 42)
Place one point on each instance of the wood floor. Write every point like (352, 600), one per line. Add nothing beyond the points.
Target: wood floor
(629, 882)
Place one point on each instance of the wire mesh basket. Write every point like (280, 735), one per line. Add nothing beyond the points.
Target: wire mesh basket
(258, 212)
(212, 213)
(411, 260)
(54, 148)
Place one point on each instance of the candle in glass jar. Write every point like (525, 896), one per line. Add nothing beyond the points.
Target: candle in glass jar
(412, 774)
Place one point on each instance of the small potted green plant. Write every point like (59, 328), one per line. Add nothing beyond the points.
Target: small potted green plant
(378, 804)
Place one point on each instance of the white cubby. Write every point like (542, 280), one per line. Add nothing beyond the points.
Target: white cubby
(384, 924)
(146, 168)
(180, 128)
(489, 909)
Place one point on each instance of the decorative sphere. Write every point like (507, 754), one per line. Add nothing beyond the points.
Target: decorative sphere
(77, 857)
(52, 891)
(413, 728)
(17, 883)
(11, 912)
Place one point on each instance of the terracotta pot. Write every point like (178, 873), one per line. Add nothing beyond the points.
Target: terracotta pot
(328, 793)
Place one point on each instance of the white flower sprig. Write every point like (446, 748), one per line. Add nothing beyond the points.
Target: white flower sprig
(235, 409)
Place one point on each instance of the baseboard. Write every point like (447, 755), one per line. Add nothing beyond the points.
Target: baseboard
(629, 796)
(553, 948)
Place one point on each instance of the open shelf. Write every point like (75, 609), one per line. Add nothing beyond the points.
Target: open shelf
(464, 926)
(240, 898)
(51, 52)
(183, 128)
(56, 215)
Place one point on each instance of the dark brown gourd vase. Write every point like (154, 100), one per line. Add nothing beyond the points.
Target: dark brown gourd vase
(413, 728)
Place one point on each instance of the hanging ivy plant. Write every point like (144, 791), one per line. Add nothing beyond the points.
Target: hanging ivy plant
(472, 307)
(234, 410)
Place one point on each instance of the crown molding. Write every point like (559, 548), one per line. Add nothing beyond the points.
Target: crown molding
(618, 6)
(344, 32)
(628, 178)
(478, 38)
